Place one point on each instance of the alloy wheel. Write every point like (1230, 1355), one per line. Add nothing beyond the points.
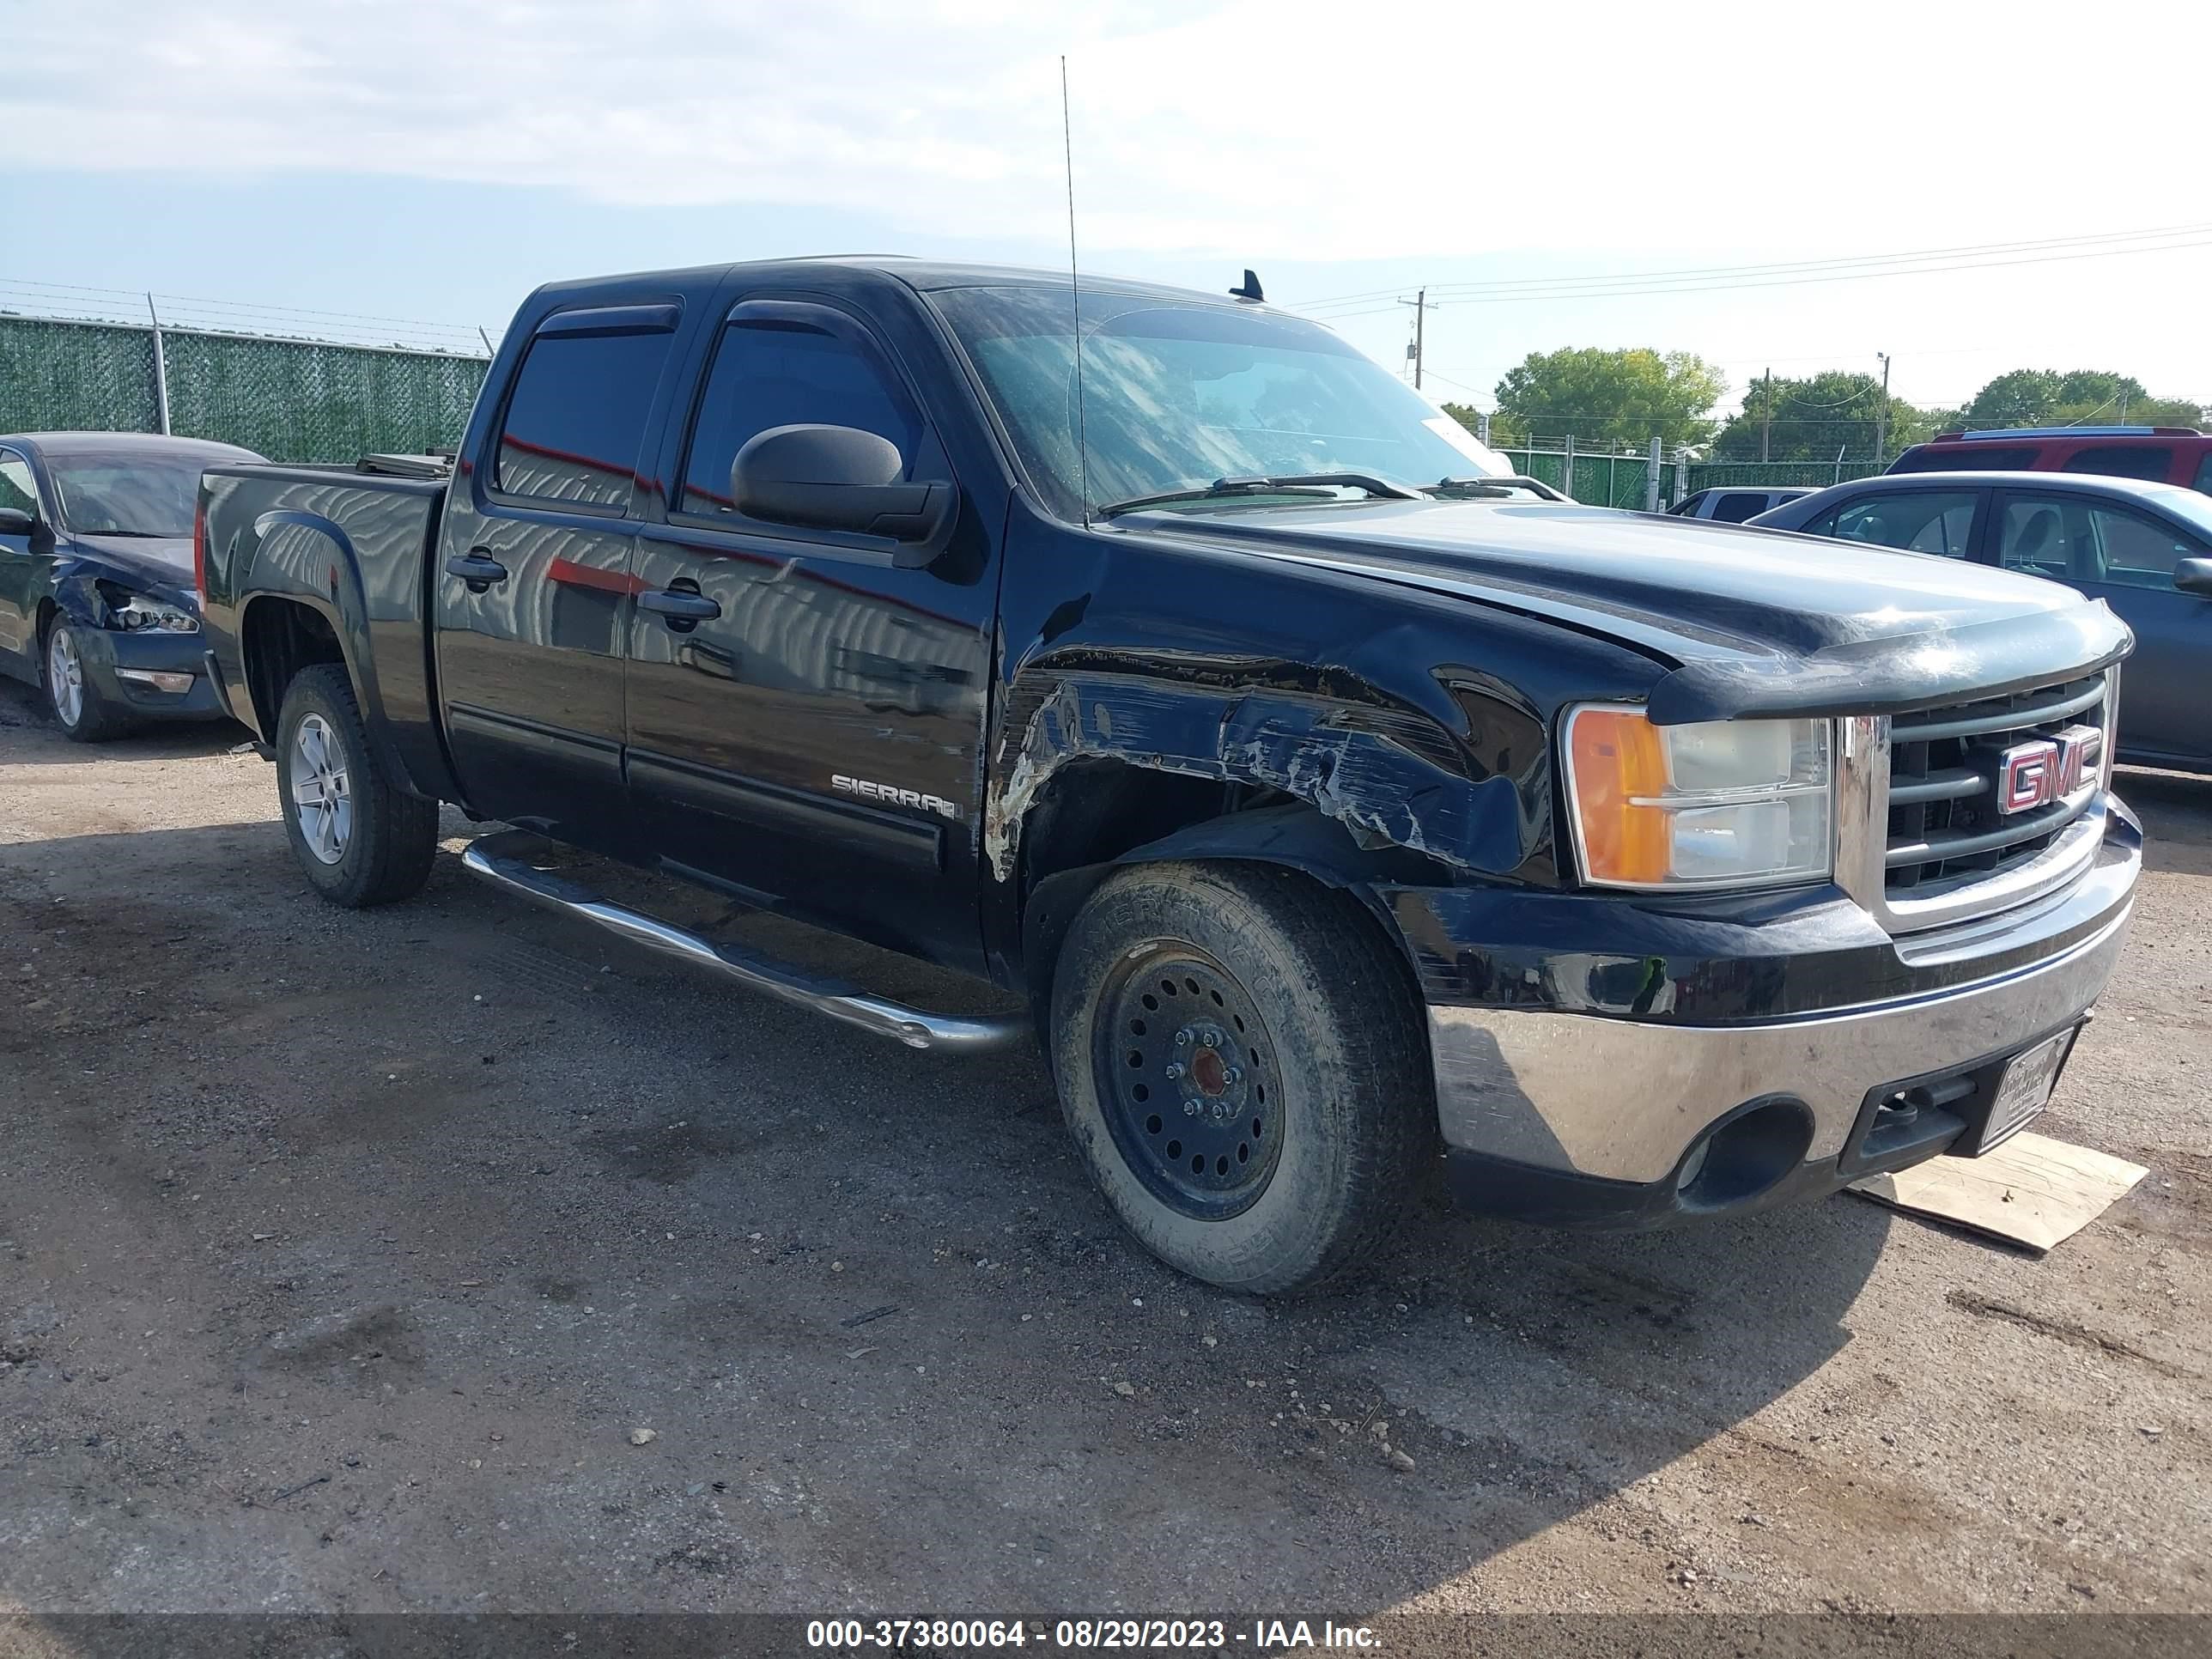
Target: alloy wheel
(320, 795)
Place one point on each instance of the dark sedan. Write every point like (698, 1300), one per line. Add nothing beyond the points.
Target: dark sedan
(2144, 548)
(97, 604)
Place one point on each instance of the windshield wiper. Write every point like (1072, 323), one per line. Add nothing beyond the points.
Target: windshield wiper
(1285, 484)
(1497, 486)
(143, 535)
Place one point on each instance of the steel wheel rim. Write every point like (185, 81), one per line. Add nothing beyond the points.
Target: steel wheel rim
(322, 800)
(65, 677)
(1185, 1070)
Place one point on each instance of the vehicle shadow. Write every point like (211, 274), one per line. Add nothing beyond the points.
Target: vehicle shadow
(35, 737)
(450, 1202)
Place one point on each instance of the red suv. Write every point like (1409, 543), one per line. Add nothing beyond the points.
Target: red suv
(2163, 454)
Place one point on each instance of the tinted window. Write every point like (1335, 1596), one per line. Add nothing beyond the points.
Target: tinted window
(1737, 505)
(788, 375)
(577, 416)
(1919, 521)
(16, 489)
(2133, 550)
(1965, 458)
(2205, 474)
(2152, 461)
(1687, 506)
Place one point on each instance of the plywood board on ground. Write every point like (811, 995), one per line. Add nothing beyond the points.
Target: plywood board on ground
(2031, 1190)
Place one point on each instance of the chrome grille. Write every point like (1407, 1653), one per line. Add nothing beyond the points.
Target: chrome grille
(1946, 769)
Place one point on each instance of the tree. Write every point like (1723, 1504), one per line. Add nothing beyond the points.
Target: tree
(1810, 420)
(2023, 397)
(1604, 397)
(2084, 397)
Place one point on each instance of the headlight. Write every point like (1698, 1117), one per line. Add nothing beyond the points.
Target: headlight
(1719, 804)
(137, 613)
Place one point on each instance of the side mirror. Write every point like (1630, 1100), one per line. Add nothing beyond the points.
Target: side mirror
(2194, 576)
(14, 521)
(838, 477)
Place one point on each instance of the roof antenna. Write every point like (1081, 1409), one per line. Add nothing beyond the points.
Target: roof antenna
(1250, 290)
(1075, 296)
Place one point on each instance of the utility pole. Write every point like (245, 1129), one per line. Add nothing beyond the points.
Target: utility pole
(1421, 310)
(1881, 413)
(1766, 411)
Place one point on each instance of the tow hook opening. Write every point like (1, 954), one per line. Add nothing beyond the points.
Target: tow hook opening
(1743, 1155)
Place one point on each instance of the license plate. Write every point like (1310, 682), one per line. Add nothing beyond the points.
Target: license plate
(2024, 1088)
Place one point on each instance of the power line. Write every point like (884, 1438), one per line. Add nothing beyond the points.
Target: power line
(1827, 264)
(1791, 281)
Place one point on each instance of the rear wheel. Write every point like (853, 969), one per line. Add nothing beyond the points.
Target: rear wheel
(361, 841)
(1241, 1064)
(73, 697)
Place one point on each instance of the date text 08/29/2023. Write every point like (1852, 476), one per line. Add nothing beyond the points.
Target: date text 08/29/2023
(939, 1635)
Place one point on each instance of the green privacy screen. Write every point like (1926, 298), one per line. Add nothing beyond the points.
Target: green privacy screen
(291, 400)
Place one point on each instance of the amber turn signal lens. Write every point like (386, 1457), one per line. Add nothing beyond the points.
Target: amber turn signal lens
(1620, 772)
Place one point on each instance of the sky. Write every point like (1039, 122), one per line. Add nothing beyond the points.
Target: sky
(408, 170)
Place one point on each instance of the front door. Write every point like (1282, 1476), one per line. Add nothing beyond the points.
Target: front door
(533, 573)
(805, 722)
(22, 574)
(2126, 558)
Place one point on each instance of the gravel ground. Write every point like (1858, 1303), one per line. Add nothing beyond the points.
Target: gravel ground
(456, 1257)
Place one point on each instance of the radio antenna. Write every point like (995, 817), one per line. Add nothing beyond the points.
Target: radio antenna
(1075, 297)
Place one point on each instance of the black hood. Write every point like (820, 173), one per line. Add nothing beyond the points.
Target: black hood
(158, 565)
(1752, 621)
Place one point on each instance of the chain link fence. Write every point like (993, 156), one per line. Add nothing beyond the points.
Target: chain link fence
(1620, 478)
(289, 399)
(1594, 477)
(296, 399)
(67, 377)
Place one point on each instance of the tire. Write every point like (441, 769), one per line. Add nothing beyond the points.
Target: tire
(372, 843)
(1287, 1158)
(73, 697)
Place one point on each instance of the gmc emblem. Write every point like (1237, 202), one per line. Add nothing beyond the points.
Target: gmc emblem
(2047, 769)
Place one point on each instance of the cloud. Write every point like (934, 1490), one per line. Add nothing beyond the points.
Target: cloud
(1281, 130)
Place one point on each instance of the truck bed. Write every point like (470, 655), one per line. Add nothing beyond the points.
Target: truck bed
(350, 547)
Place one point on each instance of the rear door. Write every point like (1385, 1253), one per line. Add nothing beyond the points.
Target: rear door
(1912, 519)
(533, 573)
(805, 725)
(2126, 557)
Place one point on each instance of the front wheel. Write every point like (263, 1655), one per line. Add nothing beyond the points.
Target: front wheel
(73, 697)
(1241, 1063)
(361, 841)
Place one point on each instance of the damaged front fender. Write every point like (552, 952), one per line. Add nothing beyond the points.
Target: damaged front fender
(1385, 771)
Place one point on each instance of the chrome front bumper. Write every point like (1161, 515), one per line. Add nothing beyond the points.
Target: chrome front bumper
(1625, 1102)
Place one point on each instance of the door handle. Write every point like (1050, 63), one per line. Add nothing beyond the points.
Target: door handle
(477, 569)
(682, 608)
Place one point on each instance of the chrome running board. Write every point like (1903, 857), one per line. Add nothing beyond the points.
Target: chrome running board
(507, 860)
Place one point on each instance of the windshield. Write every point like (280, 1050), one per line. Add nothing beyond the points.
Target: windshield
(126, 495)
(1176, 397)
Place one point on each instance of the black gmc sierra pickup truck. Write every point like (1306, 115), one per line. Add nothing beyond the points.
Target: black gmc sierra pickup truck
(1341, 806)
